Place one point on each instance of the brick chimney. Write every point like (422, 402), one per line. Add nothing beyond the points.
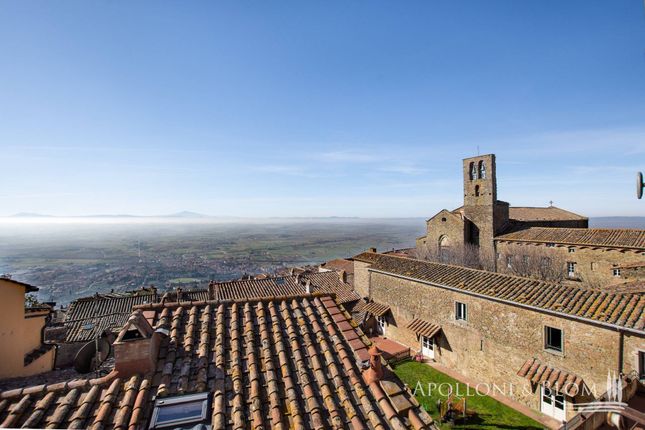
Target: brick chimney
(375, 372)
(137, 346)
(211, 290)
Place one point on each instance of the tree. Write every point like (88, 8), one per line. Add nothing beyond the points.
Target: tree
(31, 301)
(536, 262)
(467, 255)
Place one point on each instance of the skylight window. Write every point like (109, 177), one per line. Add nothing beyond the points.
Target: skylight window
(172, 412)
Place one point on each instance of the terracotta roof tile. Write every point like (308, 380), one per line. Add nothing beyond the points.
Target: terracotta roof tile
(600, 237)
(620, 309)
(550, 213)
(377, 309)
(272, 363)
(339, 264)
(323, 282)
(559, 380)
(423, 327)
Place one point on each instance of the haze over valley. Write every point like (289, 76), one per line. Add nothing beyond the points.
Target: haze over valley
(71, 258)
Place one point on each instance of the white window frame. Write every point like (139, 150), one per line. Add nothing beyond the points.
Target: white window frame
(428, 343)
(381, 322)
(571, 269)
(550, 407)
(461, 311)
(616, 272)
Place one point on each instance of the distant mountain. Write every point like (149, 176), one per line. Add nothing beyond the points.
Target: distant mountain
(617, 222)
(29, 215)
(186, 214)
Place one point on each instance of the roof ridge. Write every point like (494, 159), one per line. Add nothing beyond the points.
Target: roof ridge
(585, 229)
(507, 276)
(258, 299)
(60, 386)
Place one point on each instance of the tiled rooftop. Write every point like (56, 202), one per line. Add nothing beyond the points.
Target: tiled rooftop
(323, 282)
(602, 237)
(269, 363)
(560, 380)
(375, 308)
(88, 317)
(550, 213)
(526, 214)
(339, 264)
(619, 309)
(423, 328)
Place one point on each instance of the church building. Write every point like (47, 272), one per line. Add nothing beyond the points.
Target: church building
(489, 233)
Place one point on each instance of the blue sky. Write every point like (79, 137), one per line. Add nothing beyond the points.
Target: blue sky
(318, 108)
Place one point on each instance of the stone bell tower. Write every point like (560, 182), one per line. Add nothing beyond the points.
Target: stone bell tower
(485, 214)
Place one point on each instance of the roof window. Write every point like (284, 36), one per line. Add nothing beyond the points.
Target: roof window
(173, 412)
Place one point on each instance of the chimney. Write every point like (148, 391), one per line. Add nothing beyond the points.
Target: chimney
(375, 372)
(371, 250)
(137, 346)
(291, 271)
(308, 286)
(343, 276)
(298, 278)
(179, 294)
(211, 290)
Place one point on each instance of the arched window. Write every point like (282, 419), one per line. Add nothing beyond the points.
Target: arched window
(444, 247)
(482, 170)
(476, 190)
(472, 171)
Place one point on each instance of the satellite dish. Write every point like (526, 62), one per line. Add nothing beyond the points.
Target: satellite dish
(639, 185)
(89, 358)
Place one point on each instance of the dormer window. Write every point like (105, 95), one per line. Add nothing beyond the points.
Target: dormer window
(473, 171)
(482, 170)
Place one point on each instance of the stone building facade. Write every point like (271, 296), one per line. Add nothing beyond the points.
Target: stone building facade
(497, 329)
(489, 233)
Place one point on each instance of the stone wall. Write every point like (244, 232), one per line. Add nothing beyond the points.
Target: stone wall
(361, 278)
(498, 338)
(603, 260)
(632, 346)
(447, 224)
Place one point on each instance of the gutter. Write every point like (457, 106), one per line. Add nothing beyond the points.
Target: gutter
(510, 302)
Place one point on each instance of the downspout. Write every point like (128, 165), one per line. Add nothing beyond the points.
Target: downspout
(621, 351)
